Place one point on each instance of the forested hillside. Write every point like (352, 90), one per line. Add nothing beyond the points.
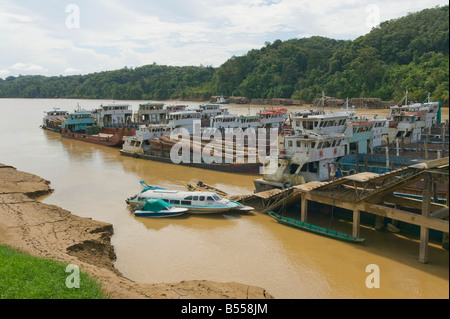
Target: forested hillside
(410, 53)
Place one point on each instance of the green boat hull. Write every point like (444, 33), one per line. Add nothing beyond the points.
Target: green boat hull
(315, 229)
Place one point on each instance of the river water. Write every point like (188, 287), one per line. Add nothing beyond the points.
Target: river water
(94, 181)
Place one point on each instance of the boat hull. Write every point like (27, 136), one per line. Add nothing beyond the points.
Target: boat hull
(174, 213)
(244, 168)
(115, 140)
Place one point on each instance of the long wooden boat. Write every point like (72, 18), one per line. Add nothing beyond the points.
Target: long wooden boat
(201, 186)
(115, 140)
(315, 229)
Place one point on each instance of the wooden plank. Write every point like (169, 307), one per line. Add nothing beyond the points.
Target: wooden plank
(407, 217)
(410, 202)
(356, 223)
(426, 210)
(304, 208)
(376, 209)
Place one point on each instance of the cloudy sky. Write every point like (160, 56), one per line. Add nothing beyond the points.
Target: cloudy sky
(57, 37)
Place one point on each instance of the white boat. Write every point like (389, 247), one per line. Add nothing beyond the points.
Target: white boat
(151, 113)
(273, 118)
(114, 115)
(53, 120)
(157, 208)
(408, 121)
(196, 202)
(138, 144)
(307, 149)
(184, 120)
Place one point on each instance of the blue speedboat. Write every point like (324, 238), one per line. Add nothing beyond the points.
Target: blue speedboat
(157, 208)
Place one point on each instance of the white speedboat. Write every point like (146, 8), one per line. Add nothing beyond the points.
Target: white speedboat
(196, 202)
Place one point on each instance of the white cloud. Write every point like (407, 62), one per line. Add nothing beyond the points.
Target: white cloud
(28, 67)
(4, 73)
(115, 33)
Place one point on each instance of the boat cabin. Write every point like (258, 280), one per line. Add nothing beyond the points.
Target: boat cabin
(360, 134)
(273, 118)
(114, 115)
(184, 119)
(151, 113)
(320, 123)
(78, 121)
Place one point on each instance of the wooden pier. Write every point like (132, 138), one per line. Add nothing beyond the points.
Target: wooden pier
(376, 194)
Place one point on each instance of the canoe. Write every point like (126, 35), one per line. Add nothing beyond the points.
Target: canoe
(315, 229)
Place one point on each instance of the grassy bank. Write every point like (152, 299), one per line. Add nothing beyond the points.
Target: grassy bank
(25, 277)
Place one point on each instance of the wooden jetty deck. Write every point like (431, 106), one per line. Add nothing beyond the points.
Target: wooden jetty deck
(375, 194)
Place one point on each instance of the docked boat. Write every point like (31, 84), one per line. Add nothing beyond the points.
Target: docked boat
(202, 186)
(273, 118)
(209, 112)
(157, 208)
(53, 119)
(315, 229)
(139, 144)
(151, 113)
(114, 115)
(307, 150)
(196, 202)
(82, 126)
(408, 121)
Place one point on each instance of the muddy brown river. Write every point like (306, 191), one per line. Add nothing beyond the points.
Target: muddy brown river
(94, 181)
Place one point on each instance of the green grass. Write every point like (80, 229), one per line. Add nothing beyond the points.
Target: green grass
(25, 277)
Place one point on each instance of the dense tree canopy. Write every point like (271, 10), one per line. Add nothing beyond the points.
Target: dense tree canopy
(410, 53)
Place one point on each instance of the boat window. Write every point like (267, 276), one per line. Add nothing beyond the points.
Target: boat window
(290, 143)
(175, 201)
(313, 144)
(298, 143)
(185, 202)
(195, 197)
(320, 145)
(217, 197)
(188, 198)
(202, 198)
(210, 198)
(293, 168)
(313, 167)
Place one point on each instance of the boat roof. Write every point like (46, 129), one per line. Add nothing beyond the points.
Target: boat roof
(307, 116)
(115, 104)
(226, 116)
(365, 122)
(179, 193)
(184, 112)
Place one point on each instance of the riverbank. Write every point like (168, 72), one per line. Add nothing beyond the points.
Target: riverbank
(51, 232)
